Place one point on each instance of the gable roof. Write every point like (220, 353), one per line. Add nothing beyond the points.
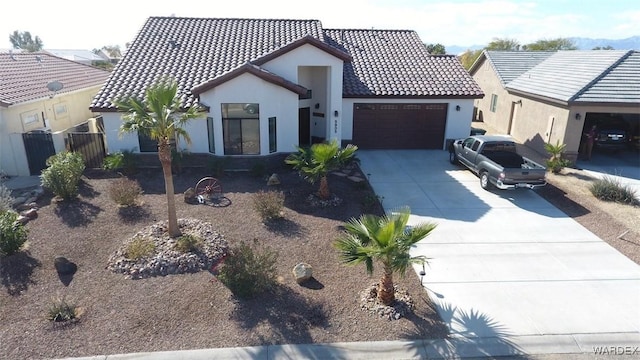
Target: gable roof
(620, 84)
(508, 65)
(396, 63)
(24, 76)
(202, 52)
(565, 74)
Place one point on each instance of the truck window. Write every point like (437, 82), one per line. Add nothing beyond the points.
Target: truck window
(475, 145)
(468, 142)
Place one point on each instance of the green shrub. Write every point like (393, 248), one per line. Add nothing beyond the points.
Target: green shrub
(63, 174)
(249, 270)
(124, 191)
(12, 234)
(121, 161)
(610, 189)
(556, 163)
(139, 247)
(60, 310)
(269, 204)
(6, 200)
(188, 242)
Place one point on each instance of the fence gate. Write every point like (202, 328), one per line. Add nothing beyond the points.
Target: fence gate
(39, 147)
(90, 146)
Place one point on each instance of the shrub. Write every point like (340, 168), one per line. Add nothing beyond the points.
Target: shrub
(139, 247)
(60, 310)
(121, 161)
(188, 242)
(6, 200)
(249, 270)
(124, 191)
(63, 174)
(12, 233)
(610, 189)
(269, 204)
(556, 163)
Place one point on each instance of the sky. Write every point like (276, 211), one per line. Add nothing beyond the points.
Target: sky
(83, 24)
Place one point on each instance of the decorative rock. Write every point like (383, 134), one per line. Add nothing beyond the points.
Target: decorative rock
(340, 173)
(64, 266)
(30, 214)
(27, 206)
(302, 272)
(31, 199)
(190, 195)
(356, 179)
(273, 180)
(22, 219)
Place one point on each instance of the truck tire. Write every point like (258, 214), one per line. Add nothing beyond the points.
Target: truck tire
(484, 180)
(453, 158)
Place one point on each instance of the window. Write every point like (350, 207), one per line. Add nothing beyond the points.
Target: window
(212, 144)
(273, 147)
(241, 129)
(494, 102)
(468, 142)
(60, 110)
(147, 144)
(475, 146)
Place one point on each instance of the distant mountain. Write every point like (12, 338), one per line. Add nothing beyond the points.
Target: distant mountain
(632, 43)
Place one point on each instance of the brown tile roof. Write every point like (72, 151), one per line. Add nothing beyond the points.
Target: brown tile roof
(24, 76)
(396, 63)
(198, 51)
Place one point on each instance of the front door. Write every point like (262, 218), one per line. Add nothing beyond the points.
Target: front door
(304, 126)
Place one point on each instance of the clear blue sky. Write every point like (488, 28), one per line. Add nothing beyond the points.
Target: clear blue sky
(83, 24)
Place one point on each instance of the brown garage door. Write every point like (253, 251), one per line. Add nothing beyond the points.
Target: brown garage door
(399, 126)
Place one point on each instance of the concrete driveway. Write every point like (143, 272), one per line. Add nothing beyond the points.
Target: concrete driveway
(510, 273)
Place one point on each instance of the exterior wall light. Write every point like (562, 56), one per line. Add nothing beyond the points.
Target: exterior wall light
(457, 107)
(578, 116)
(335, 113)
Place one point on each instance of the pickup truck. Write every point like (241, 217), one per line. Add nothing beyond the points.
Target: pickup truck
(495, 160)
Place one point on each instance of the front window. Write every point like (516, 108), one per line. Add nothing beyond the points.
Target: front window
(273, 144)
(212, 144)
(241, 129)
(147, 144)
(494, 102)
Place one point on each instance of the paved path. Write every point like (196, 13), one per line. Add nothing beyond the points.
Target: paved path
(508, 269)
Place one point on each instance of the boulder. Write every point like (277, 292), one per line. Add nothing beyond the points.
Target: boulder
(190, 196)
(64, 266)
(302, 272)
(30, 214)
(273, 180)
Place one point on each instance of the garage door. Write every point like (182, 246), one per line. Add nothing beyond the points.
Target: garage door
(399, 126)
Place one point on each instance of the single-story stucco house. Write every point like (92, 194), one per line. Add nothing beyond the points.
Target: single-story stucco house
(540, 97)
(270, 85)
(40, 92)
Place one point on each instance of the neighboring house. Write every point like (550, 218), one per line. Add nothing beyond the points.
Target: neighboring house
(269, 85)
(108, 56)
(540, 97)
(80, 56)
(27, 104)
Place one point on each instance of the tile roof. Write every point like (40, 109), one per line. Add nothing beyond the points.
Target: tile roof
(508, 65)
(620, 84)
(396, 63)
(197, 51)
(24, 76)
(75, 55)
(565, 74)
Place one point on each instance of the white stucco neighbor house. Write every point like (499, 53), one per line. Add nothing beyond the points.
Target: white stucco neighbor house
(540, 97)
(41, 93)
(270, 85)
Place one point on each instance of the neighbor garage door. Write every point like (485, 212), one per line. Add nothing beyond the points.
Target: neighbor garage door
(399, 126)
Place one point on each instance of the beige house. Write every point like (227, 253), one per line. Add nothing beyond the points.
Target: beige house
(540, 97)
(41, 93)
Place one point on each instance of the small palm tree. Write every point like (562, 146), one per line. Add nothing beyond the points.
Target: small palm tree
(386, 239)
(316, 162)
(160, 116)
(556, 163)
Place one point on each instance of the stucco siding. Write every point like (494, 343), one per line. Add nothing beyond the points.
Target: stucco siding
(488, 81)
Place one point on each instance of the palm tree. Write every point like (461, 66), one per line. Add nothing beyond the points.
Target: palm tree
(316, 162)
(386, 239)
(160, 116)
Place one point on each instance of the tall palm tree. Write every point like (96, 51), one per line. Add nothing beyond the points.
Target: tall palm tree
(316, 162)
(160, 116)
(386, 239)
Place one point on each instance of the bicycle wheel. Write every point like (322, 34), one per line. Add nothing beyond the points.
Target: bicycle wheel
(209, 188)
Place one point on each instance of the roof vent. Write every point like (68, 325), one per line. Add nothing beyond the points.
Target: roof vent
(174, 44)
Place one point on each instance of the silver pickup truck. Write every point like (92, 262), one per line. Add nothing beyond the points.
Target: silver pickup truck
(495, 160)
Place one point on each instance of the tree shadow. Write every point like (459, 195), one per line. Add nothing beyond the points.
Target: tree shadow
(86, 190)
(16, 271)
(285, 227)
(134, 214)
(76, 213)
(471, 334)
(290, 316)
